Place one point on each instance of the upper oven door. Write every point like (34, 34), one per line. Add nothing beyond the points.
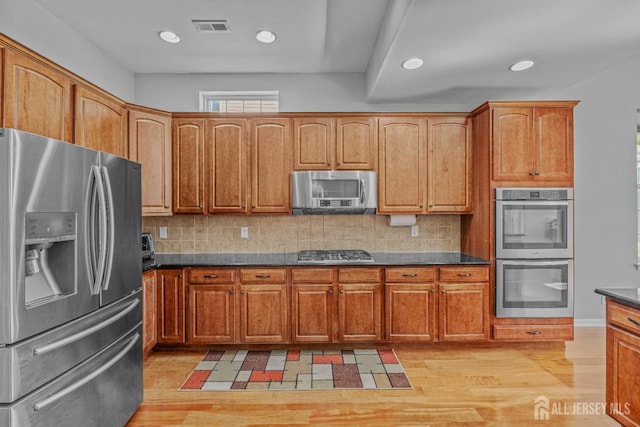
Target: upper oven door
(534, 229)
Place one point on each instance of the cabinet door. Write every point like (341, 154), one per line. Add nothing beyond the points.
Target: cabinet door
(449, 165)
(150, 145)
(623, 374)
(37, 99)
(312, 313)
(149, 323)
(313, 143)
(553, 134)
(213, 314)
(263, 313)
(171, 309)
(100, 122)
(226, 165)
(188, 166)
(402, 175)
(271, 166)
(360, 312)
(464, 312)
(513, 150)
(410, 312)
(356, 143)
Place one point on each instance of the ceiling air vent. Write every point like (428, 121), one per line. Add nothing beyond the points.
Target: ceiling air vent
(211, 25)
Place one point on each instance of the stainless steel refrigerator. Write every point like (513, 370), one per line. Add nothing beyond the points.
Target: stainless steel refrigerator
(70, 280)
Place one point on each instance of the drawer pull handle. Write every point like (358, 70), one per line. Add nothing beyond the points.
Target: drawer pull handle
(263, 276)
(534, 332)
(409, 275)
(210, 276)
(634, 321)
(464, 274)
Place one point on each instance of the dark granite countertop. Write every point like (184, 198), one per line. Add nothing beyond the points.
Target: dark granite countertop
(291, 260)
(627, 296)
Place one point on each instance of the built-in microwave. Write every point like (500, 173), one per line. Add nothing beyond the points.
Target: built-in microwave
(334, 192)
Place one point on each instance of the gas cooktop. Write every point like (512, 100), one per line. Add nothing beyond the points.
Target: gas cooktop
(334, 256)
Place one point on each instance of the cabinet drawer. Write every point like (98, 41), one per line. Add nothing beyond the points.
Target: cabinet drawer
(359, 275)
(409, 275)
(312, 275)
(464, 274)
(263, 275)
(533, 332)
(211, 275)
(623, 317)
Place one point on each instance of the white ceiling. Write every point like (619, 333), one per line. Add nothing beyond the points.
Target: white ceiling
(467, 45)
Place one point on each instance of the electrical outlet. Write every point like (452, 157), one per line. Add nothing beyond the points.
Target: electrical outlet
(163, 232)
(244, 232)
(415, 231)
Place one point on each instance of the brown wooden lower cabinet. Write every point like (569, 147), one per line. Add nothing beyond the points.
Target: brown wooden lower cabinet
(226, 305)
(623, 364)
(149, 321)
(171, 306)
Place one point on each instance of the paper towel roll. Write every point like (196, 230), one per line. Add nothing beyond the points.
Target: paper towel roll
(402, 220)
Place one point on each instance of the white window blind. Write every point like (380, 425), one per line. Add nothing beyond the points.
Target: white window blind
(239, 102)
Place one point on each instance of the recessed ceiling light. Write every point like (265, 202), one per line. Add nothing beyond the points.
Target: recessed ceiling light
(412, 63)
(169, 36)
(522, 65)
(266, 36)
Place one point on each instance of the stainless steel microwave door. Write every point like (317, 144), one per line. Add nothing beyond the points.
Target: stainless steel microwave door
(43, 197)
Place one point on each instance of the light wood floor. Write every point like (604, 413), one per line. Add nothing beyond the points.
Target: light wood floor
(453, 384)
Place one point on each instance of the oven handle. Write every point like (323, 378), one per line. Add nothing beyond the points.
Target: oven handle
(534, 203)
(535, 262)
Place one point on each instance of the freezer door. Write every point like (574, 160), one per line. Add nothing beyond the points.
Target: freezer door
(103, 391)
(123, 273)
(32, 363)
(44, 186)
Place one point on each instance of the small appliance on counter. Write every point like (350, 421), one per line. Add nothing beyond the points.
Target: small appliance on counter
(148, 252)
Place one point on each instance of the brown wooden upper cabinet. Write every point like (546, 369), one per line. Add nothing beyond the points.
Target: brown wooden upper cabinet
(533, 143)
(347, 143)
(100, 122)
(150, 145)
(37, 98)
(188, 165)
(449, 165)
(226, 153)
(271, 165)
(402, 175)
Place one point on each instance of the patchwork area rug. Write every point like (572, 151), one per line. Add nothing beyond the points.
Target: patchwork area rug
(298, 370)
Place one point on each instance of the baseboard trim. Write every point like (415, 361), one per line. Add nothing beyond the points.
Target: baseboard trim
(589, 322)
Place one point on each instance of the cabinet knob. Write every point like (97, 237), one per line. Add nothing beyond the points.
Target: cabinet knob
(443, 291)
(430, 206)
(253, 207)
(231, 291)
(179, 276)
(242, 292)
(330, 291)
(532, 173)
(341, 291)
(433, 291)
(537, 172)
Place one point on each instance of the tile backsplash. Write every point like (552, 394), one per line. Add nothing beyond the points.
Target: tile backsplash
(217, 234)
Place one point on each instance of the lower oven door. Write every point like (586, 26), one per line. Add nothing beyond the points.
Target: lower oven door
(534, 288)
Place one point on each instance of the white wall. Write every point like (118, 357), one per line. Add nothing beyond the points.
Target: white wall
(29, 24)
(605, 183)
(298, 92)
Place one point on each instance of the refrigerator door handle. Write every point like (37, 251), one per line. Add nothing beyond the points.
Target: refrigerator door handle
(43, 349)
(102, 230)
(111, 231)
(62, 393)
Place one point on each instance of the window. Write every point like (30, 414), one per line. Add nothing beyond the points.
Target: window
(239, 102)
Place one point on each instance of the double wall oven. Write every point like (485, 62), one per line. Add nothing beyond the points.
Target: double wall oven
(534, 252)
